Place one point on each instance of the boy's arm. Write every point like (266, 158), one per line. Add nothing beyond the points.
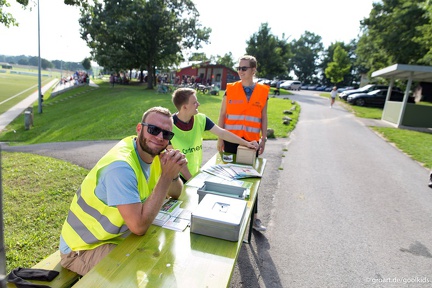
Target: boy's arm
(231, 137)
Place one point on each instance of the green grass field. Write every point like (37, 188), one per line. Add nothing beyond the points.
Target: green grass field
(16, 87)
(106, 113)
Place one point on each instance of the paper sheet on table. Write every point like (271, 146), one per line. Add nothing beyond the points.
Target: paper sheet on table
(198, 181)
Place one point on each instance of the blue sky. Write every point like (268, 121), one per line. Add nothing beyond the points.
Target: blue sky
(232, 21)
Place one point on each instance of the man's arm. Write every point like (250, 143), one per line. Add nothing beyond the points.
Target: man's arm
(139, 216)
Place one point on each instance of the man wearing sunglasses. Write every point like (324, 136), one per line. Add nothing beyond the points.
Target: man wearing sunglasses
(123, 193)
(244, 113)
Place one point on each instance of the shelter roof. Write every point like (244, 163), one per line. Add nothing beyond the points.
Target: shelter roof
(404, 72)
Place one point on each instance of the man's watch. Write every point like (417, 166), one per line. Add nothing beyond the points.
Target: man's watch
(264, 139)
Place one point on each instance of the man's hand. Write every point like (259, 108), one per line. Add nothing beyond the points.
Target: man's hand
(172, 161)
(220, 145)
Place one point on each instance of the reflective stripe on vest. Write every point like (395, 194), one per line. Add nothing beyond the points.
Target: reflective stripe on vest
(233, 128)
(82, 230)
(244, 117)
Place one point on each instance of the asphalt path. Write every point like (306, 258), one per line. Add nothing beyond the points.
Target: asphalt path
(351, 209)
(343, 207)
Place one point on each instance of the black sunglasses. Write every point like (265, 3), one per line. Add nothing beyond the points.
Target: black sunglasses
(243, 68)
(154, 130)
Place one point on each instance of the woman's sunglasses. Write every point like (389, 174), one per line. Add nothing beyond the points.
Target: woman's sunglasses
(243, 68)
(154, 130)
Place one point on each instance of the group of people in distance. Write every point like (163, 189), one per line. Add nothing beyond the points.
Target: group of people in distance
(124, 191)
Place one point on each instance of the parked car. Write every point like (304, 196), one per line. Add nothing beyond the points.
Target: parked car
(304, 86)
(377, 97)
(343, 89)
(264, 81)
(365, 89)
(312, 87)
(273, 83)
(321, 88)
(291, 85)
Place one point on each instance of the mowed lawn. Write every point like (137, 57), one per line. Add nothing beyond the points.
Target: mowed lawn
(16, 87)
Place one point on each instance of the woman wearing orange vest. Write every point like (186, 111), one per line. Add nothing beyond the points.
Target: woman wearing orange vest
(244, 112)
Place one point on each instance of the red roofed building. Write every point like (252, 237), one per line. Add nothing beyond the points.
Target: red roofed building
(208, 74)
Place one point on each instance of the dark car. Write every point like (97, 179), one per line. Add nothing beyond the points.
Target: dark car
(321, 88)
(312, 87)
(376, 98)
(365, 89)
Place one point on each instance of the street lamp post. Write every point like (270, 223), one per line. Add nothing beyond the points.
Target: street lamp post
(39, 66)
(61, 64)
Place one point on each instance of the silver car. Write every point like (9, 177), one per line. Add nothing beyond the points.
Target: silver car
(291, 85)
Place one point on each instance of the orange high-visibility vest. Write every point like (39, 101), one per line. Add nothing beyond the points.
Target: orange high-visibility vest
(243, 118)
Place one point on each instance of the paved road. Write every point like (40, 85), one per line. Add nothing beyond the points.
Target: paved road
(350, 209)
(344, 207)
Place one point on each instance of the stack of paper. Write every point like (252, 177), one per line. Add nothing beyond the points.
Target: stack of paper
(232, 171)
(171, 216)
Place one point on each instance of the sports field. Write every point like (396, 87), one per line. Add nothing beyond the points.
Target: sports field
(15, 87)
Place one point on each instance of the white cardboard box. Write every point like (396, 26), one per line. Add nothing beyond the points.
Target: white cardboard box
(245, 155)
(219, 216)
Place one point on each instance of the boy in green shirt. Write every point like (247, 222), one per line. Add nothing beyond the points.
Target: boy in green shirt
(189, 126)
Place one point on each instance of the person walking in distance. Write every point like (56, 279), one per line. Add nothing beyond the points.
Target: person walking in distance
(333, 95)
(244, 113)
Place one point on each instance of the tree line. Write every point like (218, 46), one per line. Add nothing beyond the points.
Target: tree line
(156, 34)
(47, 64)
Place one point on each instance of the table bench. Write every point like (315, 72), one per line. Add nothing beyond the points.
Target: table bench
(165, 258)
(65, 279)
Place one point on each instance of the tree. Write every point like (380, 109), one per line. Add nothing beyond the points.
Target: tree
(226, 60)
(390, 34)
(425, 37)
(370, 55)
(198, 57)
(306, 54)
(34, 61)
(271, 53)
(86, 64)
(6, 18)
(141, 34)
(23, 61)
(340, 66)
(45, 64)
(350, 78)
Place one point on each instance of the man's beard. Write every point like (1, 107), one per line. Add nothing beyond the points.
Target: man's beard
(146, 148)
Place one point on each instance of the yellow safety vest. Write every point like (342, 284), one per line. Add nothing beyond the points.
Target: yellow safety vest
(243, 117)
(190, 142)
(90, 222)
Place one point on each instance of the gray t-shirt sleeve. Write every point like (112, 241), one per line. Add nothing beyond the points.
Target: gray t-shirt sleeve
(118, 185)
